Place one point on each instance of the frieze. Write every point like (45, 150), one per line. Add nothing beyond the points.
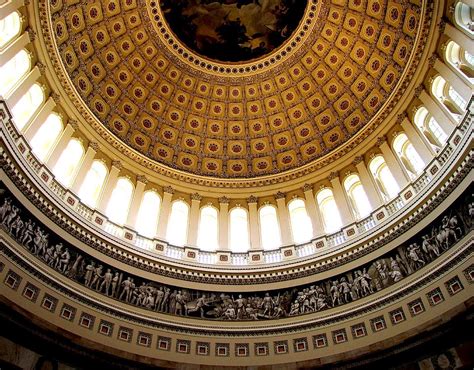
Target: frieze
(429, 276)
(162, 269)
(416, 253)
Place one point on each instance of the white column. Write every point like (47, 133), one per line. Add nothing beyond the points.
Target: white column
(367, 182)
(224, 224)
(22, 87)
(13, 48)
(136, 201)
(459, 37)
(10, 7)
(393, 165)
(31, 128)
(284, 218)
(341, 200)
(194, 219)
(165, 212)
(62, 143)
(458, 84)
(445, 120)
(255, 243)
(109, 186)
(84, 167)
(313, 211)
(421, 148)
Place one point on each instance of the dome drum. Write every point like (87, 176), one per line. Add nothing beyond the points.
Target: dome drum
(280, 183)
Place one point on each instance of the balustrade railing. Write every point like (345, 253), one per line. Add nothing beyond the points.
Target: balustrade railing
(366, 224)
(305, 250)
(273, 256)
(336, 239)
(393, 207)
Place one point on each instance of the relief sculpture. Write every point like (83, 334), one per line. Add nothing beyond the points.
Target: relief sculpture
(361, 282)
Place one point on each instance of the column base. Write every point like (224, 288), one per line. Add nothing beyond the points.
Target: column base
(190, 254)
(45, 175)
(71, 199)
(320, 242)
(288, 253)
(129, 234)
(23, 146)
(350, 231)
(380, 215)
(407, 193)
(256, 257)
(224, 258)
(98, 219)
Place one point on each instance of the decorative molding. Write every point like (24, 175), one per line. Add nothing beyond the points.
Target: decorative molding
(252, 199)
(280, 195)
(169, 190)
(196, 196)
(224, 200)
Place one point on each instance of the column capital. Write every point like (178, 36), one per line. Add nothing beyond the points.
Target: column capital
(224, 200)
(41, 67)
(333, 175)
(381, 140)
(442, 26)
(401, 117)
(358, 159)
(280, 195)
(73, 123)
(418, 90)
(142, 179)
(252, 199)
(31, 33)
(93, 145)
(168, 189)
(117, 164)
(307, 187)
(432, 59)
(196, 196)
(55, 96)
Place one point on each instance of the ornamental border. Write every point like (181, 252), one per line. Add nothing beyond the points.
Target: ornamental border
(99, 244)
(242, 182)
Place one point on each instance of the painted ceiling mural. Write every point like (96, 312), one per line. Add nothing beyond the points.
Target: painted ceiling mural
(332, 80)
(233, 30)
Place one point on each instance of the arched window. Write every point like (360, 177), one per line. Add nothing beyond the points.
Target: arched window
(300, 221)
(453, 102)
(408, 155)
(329, 212)
(46, 136)
(430, 127)
(13, 70)
(93, 183)
(239, 230)
(10, 26)
(463, 15)
(269, 228)
(357, 196)
(119, 203)
(460, 59)
(383, 178)
(208, 231)
(147, 219)
(178, 223)
(68, 162)
(27, 106)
